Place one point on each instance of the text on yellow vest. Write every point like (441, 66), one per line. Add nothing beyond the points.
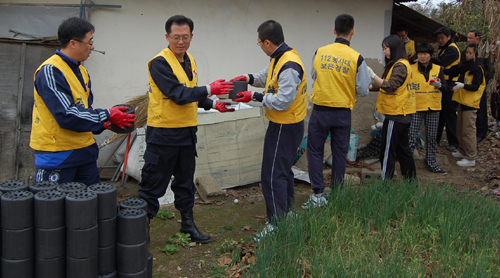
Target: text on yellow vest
(297, 111)
(163, 112)
(46, 134)
(402, 101)
(336, 66)
(426, 95)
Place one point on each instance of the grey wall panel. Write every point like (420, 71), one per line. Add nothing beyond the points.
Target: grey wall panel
(35, 55)
(10, 56)
(10, 77)
(7, 156)
(26, 155)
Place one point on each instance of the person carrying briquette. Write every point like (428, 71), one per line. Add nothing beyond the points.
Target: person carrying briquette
(429, 85)
(448, 56)
(340, 74)
(402, 32)
(396, 100)
(285, 104)
(63, 118)
(467, 92)
(174, 98)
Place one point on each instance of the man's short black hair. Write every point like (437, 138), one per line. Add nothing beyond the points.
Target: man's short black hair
(272, 31)
(477, 33)
(443, 30)
(344, 24)
(73, 28)
(178, 20)
(425, 48)
(401, 27)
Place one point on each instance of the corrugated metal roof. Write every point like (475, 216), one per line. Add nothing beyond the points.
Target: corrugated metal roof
(421, 28)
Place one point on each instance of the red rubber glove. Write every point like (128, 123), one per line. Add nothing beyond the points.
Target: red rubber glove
(436, 83)
(244, 96)
(221, 106)
(240, 78)
(107, 125)
(120, 119)
(220, 87)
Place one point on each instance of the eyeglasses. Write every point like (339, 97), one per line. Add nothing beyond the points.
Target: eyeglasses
(258, 42)
(91, 43)
(178, 38)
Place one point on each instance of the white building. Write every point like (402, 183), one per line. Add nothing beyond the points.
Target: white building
(131, 32)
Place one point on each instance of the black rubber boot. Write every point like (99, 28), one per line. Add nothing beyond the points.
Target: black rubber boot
(188, 227)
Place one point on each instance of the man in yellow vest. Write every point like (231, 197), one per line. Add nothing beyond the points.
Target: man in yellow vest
(429, 85)
(63, 118)
(285, 103)
(448, 56)
(340, 74)
(402, 32)
(174, 98)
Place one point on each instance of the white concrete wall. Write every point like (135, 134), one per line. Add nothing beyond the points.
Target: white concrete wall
(225, 36)
(224, 42)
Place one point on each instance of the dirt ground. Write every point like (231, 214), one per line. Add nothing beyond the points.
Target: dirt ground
(232, 226)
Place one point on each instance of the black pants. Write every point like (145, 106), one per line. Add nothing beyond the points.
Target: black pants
(161, 162)
(395, 145)
(482, 118)
(448, 118)
(337, 122)
(280, 148)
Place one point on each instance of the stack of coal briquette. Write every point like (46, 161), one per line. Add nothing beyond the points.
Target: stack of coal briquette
(68, 230)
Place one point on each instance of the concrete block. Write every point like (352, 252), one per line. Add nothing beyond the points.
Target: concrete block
(209, 189)
(230, 146)
(351, 179)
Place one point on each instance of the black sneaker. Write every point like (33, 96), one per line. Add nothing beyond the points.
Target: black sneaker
(436, 170)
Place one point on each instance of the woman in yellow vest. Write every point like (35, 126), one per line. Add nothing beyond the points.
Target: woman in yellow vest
(467, 91)
(396, 100)
(429, 87)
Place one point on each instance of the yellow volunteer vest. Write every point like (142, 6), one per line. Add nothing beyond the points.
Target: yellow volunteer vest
(163, 112)
(298, 109)
(402, 101)
(46, 134)
(336, 66)
(410, 48)
(470, 98)
(452, 64)
(426, 96)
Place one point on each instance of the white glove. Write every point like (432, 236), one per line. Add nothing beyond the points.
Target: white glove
(458, 86)
(436, 83)
(371, 73)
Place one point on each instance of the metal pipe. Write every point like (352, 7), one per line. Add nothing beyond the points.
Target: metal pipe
(102, 52)
(64, 5)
